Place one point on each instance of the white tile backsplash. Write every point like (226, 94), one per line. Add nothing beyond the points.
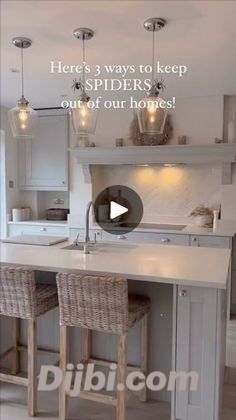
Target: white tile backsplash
(166, 192)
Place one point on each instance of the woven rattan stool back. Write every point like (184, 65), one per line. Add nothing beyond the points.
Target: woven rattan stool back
(17, 292)
(96, 303)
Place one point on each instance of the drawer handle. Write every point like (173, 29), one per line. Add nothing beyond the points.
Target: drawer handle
(43, 229)
(165, 240)
(121, 237)
(183, 293)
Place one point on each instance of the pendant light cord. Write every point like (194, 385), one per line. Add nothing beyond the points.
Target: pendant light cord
(22, 72)
(153, 55)
(83, 64)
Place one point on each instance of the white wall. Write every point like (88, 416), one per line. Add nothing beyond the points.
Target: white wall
(200, 118)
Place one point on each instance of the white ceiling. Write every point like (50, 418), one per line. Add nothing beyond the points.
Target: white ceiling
(200, 34)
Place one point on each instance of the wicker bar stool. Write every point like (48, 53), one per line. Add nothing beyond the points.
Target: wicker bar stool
(22, 298)
(101, 304)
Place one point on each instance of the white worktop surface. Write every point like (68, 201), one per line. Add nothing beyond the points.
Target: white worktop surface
(190, 266)
(40, 222)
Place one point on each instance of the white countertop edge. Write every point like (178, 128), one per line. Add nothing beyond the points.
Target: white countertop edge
(39, 258)
(63, 223)
(148, 278)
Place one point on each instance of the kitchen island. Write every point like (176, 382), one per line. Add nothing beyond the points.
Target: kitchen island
(197, 279)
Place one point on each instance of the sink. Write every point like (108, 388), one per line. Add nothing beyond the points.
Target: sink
(164, 226)
(79, 247)
(103, 247)
(158, 226)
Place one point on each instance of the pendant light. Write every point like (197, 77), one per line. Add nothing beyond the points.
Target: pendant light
(22, 118)
(84, 118)
(151, 116)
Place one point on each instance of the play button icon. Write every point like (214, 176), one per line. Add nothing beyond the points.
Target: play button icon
(118, 209)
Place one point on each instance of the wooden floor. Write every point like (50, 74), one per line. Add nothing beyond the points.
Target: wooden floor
(13, 407)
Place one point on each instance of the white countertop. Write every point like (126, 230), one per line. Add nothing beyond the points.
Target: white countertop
(40, 222)
(190, 266)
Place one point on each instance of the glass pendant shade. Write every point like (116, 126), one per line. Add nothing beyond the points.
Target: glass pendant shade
(151, 116)
(23, 120)
(84, 119)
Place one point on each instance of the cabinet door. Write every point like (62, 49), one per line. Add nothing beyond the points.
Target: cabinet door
(233, 293)
(43, 160)
(210, 241)
(22, 229)
(197, 351)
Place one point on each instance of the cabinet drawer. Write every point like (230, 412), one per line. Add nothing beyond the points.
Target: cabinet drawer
(37, 230)
(149, 238)
(210, 241)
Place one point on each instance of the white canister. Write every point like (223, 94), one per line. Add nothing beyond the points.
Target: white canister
(17, 215)
(203, 220)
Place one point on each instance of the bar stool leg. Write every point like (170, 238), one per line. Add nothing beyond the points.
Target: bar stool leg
(144, 355)
(15, 343)
(32, 367)
(64, 351)
(121, 371)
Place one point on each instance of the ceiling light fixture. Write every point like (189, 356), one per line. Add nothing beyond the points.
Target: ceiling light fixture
(84, 117)
(152, 116)
(22, 118)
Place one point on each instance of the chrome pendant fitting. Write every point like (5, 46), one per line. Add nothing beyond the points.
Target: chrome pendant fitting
(22, 42)
(84, 34)
(154, 24)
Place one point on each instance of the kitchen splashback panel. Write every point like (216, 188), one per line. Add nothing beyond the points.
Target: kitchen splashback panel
(165, 191)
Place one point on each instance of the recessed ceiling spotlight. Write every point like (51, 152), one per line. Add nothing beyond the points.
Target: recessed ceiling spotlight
(12, 70)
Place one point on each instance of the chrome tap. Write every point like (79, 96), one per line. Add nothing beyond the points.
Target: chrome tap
(87, 238)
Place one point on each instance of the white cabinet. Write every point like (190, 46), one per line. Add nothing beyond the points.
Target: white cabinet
(43, 160)
(210, 241)
(149, 238)
(200, 343)
(233, 293)
(37, 229)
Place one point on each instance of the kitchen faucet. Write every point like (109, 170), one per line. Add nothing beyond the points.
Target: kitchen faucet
(89, 205)
(86, 241)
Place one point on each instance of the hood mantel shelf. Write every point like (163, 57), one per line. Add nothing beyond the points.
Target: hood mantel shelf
(223, 154)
